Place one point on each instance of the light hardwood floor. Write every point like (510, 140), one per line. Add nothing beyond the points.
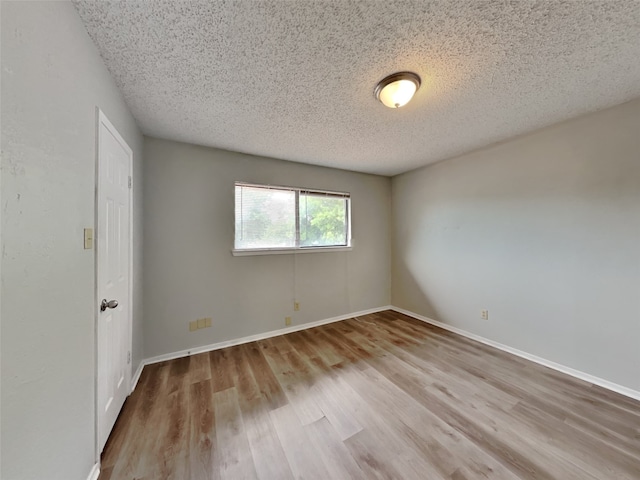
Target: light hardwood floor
(378, 396)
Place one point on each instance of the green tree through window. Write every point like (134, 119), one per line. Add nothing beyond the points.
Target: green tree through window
(323, 220)
(266, 218)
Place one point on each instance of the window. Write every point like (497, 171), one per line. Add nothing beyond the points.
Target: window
(284, 218)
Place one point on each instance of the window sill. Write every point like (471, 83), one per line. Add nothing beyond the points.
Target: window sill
(288, 251)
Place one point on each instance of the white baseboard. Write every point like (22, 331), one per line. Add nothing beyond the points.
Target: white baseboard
(136, 376)
(628, 392)
(259, 336)
(95, 472)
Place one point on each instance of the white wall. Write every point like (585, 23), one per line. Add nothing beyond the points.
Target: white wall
(544, 232)
(52, 81)
(190, 272)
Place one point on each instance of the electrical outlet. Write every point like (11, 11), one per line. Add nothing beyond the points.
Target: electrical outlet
(296, 306)
(193, 326)
(207, 322)
(484, 314)
(287, 320)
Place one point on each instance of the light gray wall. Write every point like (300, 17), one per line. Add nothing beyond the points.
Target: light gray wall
(52, 81)
(544, 232)
(190, 272)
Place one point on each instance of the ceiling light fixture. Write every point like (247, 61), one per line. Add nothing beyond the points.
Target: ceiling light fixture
(397, 89)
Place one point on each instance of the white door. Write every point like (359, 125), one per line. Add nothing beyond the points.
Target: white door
(113, 244)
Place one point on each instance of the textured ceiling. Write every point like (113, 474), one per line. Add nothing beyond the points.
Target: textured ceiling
(294, 79)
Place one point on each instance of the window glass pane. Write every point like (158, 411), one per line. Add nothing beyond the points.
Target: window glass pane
(265, 218)
(323, 220)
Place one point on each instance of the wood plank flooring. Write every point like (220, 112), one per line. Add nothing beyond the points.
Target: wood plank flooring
(382, 396)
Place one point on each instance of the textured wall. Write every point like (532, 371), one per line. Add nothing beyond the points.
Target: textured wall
(52, 81)
(190, 272)
(544, 232)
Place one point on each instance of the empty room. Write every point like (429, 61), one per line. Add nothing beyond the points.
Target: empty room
(278, 239)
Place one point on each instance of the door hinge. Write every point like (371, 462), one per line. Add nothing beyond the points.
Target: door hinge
(128, 357)
(130, 181)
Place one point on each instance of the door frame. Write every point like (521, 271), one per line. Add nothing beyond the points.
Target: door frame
(102, 120)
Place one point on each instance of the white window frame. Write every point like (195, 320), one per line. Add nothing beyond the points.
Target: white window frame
(298, 248)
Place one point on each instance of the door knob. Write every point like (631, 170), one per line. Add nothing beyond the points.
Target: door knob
(110, 304)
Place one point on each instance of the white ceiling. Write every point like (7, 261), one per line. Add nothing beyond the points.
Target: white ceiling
(294, 79)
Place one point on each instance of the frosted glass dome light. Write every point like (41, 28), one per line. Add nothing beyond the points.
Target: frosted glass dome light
(397, 89)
